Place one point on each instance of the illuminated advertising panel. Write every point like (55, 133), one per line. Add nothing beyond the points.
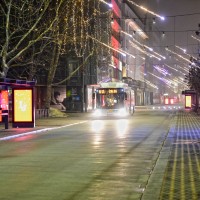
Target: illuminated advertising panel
(0, 115)
(188, 101)
(4, 99)
(23, 105)
(171, 101)
(3, 102)
(166, 101)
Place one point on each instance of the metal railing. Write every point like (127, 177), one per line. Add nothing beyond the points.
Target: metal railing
(41, 113)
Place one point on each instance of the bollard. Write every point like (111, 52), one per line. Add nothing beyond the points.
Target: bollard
(5, 117)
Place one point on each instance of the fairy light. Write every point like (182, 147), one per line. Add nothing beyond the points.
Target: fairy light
(178, 55)
(150, 49)
(184, 50)
(146, 10)
(141, 50)
(103, 29)
(166, 81)
(109, 4)
(161, 70)
(183, 63)
(195, 38)
(180, 82)
(151, 84)
(80, 25)
(159, 55)
(179, 71)
(171, 67)
(142, 57)
(127, 34)
(136, 28)
(122, 52)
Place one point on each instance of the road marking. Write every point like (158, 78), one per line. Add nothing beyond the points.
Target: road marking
(38, 131)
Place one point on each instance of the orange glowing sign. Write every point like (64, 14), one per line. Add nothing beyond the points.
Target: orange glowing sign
(23, 105)
(188, 101)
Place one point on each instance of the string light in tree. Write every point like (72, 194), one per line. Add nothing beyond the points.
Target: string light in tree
(102, 32)
(80, 25)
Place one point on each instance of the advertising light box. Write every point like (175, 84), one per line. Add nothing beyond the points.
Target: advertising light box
(23, 108)
(3, 102)
(1, 115)
(188, 101)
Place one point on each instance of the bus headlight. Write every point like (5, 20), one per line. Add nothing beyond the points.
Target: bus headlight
(98, 113)
(122, 112)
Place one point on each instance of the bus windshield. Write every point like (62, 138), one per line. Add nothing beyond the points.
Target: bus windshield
(110, 101)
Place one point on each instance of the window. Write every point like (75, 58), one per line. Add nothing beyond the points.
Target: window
(72, 66)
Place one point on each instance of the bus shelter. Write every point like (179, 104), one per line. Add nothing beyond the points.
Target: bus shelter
(190, 98)
(17, 103)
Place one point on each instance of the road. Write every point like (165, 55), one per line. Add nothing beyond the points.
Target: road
(102, 159)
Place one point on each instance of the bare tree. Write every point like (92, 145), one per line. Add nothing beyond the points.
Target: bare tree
(35, 33)
(23, 25)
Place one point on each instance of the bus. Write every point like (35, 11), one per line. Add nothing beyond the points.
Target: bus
(115, 99)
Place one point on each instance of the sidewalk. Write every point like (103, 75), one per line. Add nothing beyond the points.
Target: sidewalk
(182, 175)
(177, 172)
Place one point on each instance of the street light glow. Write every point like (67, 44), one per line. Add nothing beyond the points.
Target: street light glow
(122, 52)
(146, 10)
(109, 4)
(195, 38)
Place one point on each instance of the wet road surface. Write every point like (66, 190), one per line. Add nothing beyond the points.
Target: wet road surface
(105, 159)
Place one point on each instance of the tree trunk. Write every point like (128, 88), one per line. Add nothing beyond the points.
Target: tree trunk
(51, 73)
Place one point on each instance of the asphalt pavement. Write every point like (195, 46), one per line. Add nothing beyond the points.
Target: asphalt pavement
(41, 125)
(181, 149)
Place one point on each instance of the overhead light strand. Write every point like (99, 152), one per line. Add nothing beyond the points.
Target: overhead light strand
(145, 9)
